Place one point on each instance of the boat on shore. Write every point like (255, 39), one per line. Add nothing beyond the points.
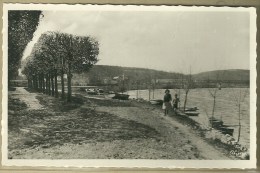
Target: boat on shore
(226, 130)
(95, 91)
(121, 96)
(192, 113)
(215, 123)
(219, 125)
(156, 102)
(191, 109)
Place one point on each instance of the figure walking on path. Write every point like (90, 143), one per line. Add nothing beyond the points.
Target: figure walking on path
(167, 102)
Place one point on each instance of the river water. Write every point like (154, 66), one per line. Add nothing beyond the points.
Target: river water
(226, 107)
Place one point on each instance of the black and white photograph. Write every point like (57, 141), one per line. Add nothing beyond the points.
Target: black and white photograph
(129, 86)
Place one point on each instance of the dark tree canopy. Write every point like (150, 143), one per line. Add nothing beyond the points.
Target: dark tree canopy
(80, 51)
(56, 54)
(21, 26)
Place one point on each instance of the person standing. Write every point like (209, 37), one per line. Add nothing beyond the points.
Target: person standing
(167, 102)
(175, 102)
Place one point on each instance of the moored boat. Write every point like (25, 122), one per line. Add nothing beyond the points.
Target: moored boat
(192, 113)
(215, 122)
(219, 125)
(121, 96)
(156, 102)
(226, 130)
(191, 109)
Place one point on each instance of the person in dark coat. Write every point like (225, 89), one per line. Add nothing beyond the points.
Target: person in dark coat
(167, 102)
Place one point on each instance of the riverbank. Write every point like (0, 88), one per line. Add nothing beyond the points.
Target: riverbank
(226, 108)
(90, 128)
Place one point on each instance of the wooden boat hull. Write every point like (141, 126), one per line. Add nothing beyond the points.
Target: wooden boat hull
(191, 109)
(219, 125)
(192, 113)
(121, 96)
(156, 102)
(227, 130)
(216, 123)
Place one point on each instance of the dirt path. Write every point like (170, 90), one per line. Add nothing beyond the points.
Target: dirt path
(27, 97)
(170, 128)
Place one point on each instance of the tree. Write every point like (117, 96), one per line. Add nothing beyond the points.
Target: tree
(239, 98)
(21, 26)
(188, 84)
(80, 55)
(65, 53)
(178, 85)
(51, 48)
(213, 92)
(45, 60)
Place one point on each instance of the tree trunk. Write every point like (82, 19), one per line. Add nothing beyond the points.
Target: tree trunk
(33, 82)
(149, 93)
(213, 109)
(239, 124)
(36, 83)
(69, 75)
(62, 84)
(179, 92)
(49, 84)
(40, 82)
(43, 84)
(137, 90)
(52, 85)
(153, 90)
(56, 84)
(185, 101)
(30, 83)
(46, 84)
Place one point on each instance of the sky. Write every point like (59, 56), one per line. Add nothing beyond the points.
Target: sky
(174, 41)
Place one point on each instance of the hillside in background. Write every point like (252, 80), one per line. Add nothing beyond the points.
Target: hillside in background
(142, 74)
(237, 74)
(132, 73)
(102, 74)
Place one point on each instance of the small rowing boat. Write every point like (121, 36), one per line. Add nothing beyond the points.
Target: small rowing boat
(156, 102)
(121, 96)
(192, 113)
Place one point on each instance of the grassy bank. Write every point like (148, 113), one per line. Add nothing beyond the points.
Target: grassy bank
(33, 133)
(91, 128)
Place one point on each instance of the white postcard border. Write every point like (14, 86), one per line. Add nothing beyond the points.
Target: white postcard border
(139, 163)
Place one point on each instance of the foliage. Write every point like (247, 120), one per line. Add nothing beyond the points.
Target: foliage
(52, 46)
(21, 26)
(60, 52)
(133, 74)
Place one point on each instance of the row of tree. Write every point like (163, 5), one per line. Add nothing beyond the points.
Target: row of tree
(56, 54)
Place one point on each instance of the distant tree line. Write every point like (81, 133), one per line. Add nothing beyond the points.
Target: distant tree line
(56, 54)
(231, 78)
